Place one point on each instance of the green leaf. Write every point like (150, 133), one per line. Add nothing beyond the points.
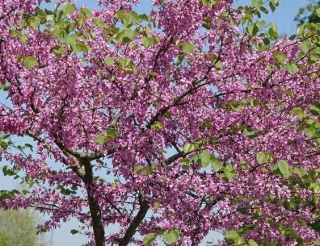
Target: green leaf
(171, 236)
(124, 62)
(272, 6)
(7, 194)
(215, 164)
(218, 64)
(7, 171)
(318, 12)
(315, 187)
(315, 108)
(253, 29)
(128, 18)
(187, 148)
(4, 87)
(266, 41)
(147, 42)
(249, 132)
(261, 24)
(186, 160)
(311, 131)
(72, 39)
(227, 174)
(262, 157)
(257, 3)
(86, 12)
(73, 231)
(129, 35)
(58, 50)
(149, 238)
(292, 67)
(284, 168)
(273, 32)
(236, 106)
(34, 22)
(100, 23)
(109, 61)
(153, 73)
(138, 169)
(279, 57)
(68, 8)
(144, 17)
(244, 165)
(157, 125)
(111, 133)
(187, 47)
(99, 139)
(205, 158)
(239, 241)
(300, 171)
(79, 47)
(264, 10)
(231, 235)
(317, 242)
(30, 61)
(252, 243)
(23, 38)
(299, 112)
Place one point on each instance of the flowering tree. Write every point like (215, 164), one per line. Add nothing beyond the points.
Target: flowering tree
(171, 124)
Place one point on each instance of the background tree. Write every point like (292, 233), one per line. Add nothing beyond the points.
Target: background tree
(4, 240)
(194, 117)
(309, 13)
(18, 227)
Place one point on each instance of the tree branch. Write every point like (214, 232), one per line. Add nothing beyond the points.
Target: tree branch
(135, 222)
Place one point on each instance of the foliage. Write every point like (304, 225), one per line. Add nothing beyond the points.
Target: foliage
(18, 227)
(309, 14)
(192, 118)
(4, 240)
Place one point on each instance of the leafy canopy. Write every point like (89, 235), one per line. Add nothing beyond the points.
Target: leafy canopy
(191, 118)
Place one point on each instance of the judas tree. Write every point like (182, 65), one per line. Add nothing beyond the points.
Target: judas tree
(191, 118)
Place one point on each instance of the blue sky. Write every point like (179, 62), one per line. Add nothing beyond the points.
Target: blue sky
(283, 17)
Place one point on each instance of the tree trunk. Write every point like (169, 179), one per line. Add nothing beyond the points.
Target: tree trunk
(95, 212)
(94, 206)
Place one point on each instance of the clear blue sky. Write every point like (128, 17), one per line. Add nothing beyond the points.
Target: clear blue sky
(283, 17)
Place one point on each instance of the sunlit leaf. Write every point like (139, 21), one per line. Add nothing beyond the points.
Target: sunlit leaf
(30, 61)
(171, 236)
(149, 238)
(187, 148)
(187, 47)
(262, 157)
(109, 61)
(292, 67)
(231, 235)
(284, 168)
(205, 158)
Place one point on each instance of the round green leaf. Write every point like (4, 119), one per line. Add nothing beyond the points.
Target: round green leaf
(187, 148)
(215, 164)
(205, 158)
(252, 243)
(187, 47)
(284, 168)
(109, 61)
(149, 238)
(262, 157)
(30, 61)
(292, 67)
(231, 235)
(171, 236)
